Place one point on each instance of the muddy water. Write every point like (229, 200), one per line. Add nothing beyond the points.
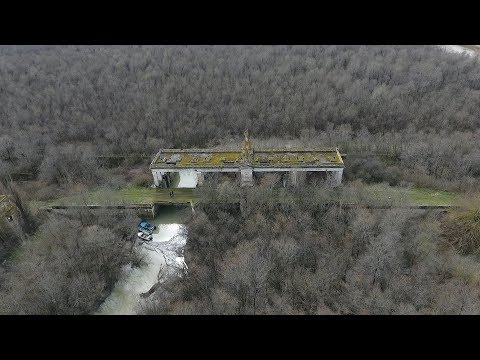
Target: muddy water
(164, 252)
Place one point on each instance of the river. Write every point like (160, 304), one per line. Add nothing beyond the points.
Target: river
(165, 252)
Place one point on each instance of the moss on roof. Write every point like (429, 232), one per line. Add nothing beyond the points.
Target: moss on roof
(192, 158)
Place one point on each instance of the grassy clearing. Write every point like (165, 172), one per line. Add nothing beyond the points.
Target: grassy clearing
(425, 196)
(383, 194)
(130, 195)
(140, 195)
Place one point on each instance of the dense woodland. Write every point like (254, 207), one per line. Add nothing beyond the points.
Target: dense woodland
(69, 265)
(310, 255)
(60, 105)
(404, 115)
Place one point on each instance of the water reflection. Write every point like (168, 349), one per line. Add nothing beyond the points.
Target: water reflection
(164, 251)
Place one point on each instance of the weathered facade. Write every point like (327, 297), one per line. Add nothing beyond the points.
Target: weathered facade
(248, 161)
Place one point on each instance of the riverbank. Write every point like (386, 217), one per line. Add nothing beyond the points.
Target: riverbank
(162, 258)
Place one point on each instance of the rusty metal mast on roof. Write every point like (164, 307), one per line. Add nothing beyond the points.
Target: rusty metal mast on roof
(247, 149)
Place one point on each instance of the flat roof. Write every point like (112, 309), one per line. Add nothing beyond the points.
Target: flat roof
(285, 158)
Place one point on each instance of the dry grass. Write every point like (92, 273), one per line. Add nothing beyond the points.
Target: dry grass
(462, 225)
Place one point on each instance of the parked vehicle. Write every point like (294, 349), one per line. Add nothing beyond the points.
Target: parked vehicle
(145, 231)
(144, 237)
(145, 225)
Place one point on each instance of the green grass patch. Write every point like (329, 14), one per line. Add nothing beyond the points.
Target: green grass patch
(141, 195)
(400, 196)
(425, 196)
(129, 195)
(148, 195)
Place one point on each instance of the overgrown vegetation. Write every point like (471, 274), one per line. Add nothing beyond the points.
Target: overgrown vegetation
(60, 106)
(78, 118)
(14, 230)
(316, 258)
(70, 265)
(462, 226)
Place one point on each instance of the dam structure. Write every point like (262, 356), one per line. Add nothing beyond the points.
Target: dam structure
(294, 164)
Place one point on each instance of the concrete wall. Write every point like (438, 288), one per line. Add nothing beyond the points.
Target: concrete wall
(200, 178)
(338, 177)
(296, 175)
(246, 177)
(334, 178)
(157, 176)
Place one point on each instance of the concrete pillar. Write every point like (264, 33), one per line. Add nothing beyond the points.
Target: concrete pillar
(157, 177)
(330, 178)
(171, 177)
(334, 177)
(246, 177)
(301, 177)
(200, 178)
(294, 177)
(338, 177)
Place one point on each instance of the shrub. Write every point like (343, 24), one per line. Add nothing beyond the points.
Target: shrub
(462, 226)
(142, 179)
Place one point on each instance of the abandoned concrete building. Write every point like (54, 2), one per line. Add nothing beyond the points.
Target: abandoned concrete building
(293, 164)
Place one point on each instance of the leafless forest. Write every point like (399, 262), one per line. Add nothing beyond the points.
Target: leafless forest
(405, 115)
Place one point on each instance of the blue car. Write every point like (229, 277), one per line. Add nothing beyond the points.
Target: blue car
(147, 226)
